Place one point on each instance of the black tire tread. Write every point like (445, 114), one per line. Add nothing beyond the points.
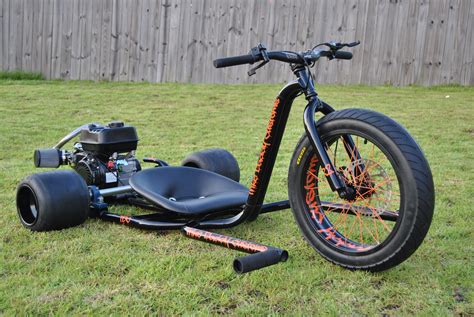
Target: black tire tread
(62, 197)
(216, 160)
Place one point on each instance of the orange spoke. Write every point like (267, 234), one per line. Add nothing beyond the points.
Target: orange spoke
(344, 213)
(360, 166)
(376, 229)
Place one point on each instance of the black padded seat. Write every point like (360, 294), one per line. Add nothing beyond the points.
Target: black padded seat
(188, 190)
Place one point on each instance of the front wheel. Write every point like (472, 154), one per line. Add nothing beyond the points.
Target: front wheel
(388, 216)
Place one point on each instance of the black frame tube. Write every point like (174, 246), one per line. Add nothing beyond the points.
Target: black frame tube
(355, 210)
(275, 206)
(142, 222)
(270, 146)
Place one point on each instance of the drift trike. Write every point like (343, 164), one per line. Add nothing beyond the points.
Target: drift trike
(359, 186)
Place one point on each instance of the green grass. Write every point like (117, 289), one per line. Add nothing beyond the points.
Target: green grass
(103, 268)
(20, 75)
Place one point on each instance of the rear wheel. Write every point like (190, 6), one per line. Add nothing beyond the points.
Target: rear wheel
(52, 200)
(219, 161)
(388, 216)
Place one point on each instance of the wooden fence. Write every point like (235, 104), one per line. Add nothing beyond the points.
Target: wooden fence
(403, 41)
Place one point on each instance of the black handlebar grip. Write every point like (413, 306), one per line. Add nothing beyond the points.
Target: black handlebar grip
(343, 55)
(234, 60)
(47, 158)
(259, 260)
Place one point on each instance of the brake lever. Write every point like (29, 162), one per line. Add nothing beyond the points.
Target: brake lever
(337, 46)
(260, 49)
(353, 44)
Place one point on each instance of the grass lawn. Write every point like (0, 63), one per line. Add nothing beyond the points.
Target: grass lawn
(104, 268)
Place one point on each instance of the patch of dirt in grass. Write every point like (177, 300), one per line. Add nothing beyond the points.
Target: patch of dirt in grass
(390, 310)
(52, 297)
(256, 293)
(25, 257)
(469, 131)
(225, 310)
(377, 284)
(102, 297)
(458, 295)
(223, 285)
(278, 309)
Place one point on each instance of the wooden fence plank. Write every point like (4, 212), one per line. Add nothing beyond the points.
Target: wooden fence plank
(112, 66)
(5, 34)
(424, 40)
(95, 47)
(37, 36)
(152, 40)
(163, 44)
(16, 34)
(47, 36)
(134, 38)
(58, 7)
(27, 37)
(440, 24)
(108, 38)
(185, 39)
(368, 45)
(467, 68)
(207, 41)
(450, 41)
(86, 25)
(468, 59)
(3, 16)
(406, 44)
(171, 60)
(143, 49)
(66, 39)
(347, 34)
(124, 27)
(382, 38)
(76, 40)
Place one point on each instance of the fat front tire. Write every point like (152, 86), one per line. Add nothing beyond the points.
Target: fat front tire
(392, 208)
(219, 161)
(52, 200)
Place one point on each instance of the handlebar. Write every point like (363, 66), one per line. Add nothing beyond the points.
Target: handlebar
(343, 55)
(283, 56)
(234, 60)
(308, 57)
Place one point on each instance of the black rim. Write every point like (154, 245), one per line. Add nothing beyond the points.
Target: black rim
(324, 221)
(27, 205)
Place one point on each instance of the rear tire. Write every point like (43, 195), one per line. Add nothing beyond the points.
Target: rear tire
(219, 161)
(365, 241)
(52, 200)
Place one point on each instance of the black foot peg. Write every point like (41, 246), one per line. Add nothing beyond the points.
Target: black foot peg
(259, 260)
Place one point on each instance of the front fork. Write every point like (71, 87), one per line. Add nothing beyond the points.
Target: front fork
(334, 179)
(316, 105)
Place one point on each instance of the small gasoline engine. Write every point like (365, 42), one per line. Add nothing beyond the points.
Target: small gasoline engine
(104, 155)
